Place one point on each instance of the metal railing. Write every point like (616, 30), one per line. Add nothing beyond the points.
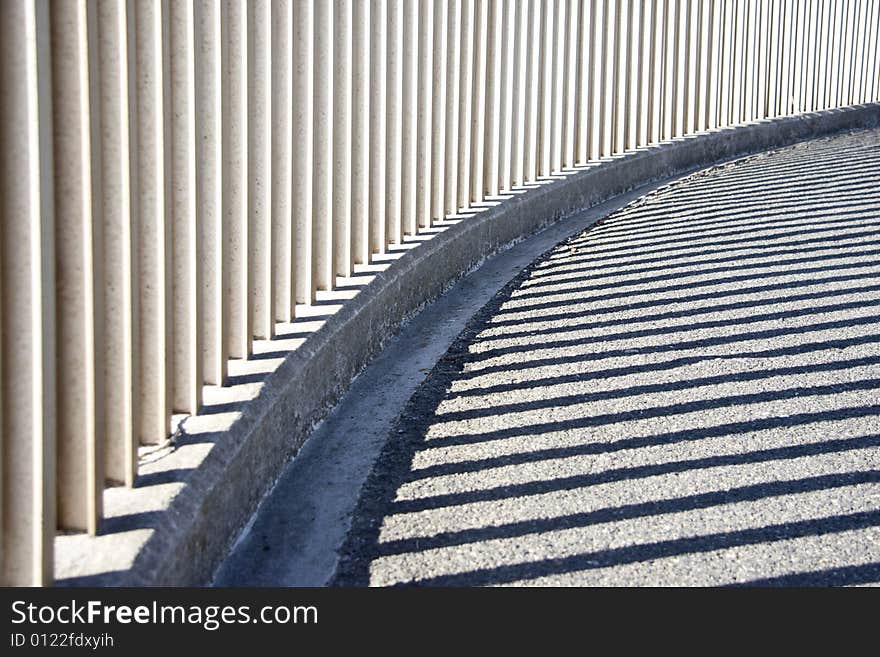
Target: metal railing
(177, 175)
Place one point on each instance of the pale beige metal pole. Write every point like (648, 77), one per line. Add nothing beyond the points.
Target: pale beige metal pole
(617, 93)
(408, 116)
(210, 240)
(429, 88)
(653, 127)
(440, 63)
(504, 152)
(378, 146)
(154, 326)
(112, 47)
(530, 116)
(453, 73)
(711, 62)
(394, 123)
(543, 23)
(323, 253)
(557, 43)
(665, 64)
(629, 112)
(260, 168)
(28, 298)
(465, 104)
(641, 130)
(517, 120)
(361, 176)
(235, 176)
(676, 68)
(476, 164)
(602, 136)
(492, 115)
(342, 147)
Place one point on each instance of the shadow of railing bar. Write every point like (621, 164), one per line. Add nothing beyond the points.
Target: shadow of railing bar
(728, 378)
(632, 473)
(596, 448)
(651, 508)
(603, 338)
(760, 271)
(716, 265)
(708, 225)
(659, 550)
(609, 265)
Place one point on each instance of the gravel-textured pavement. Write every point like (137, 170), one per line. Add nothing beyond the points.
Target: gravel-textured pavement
(686, 394)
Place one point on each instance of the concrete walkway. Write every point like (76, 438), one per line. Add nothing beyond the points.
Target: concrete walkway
(685, 394)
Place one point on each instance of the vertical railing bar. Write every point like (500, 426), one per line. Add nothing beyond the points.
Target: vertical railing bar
(841, 49)
(734, 78)
(409, 115)
(378, 145)
(757, 59)
(603, 83)
(504, 152)
(781, 64)
(440, 65)
(282, 157)
(27, 341)
(768, 55)
(856, 37)
(653, 126)
(342, 230)
(557, 43)
(629, 113)
(710, 66)
(394, 122)
(211, 242)
(616, 92)
(872, 61)
(542, 117)
(665, 132)
(641, 135)
(701, 92)
(427, 93)
(303, 151)
(686, 92)
(832, 41)
(453, 82)
(79, 490)
(590, 113)
(817, 48)
(465, 98)
(360, 131)
(569, 78)
(260, 169)
(492, 115)
(153, 321)
(745, 88)
(115, 285)
(478, 117)
(518, 133)
(675, 113)
(235, 176)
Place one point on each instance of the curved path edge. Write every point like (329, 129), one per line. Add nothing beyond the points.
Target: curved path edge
(307, 502)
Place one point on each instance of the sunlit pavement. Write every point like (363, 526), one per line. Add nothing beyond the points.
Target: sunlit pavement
(686, 394)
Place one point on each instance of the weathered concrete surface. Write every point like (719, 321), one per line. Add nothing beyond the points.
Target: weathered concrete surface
(212, 483)
(687, 394)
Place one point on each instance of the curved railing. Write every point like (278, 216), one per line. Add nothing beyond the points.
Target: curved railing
(181, 178)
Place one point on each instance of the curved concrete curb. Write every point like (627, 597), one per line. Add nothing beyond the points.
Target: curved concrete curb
(182, 543)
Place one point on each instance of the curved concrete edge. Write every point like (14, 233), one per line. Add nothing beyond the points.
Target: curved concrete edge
(182, 543)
